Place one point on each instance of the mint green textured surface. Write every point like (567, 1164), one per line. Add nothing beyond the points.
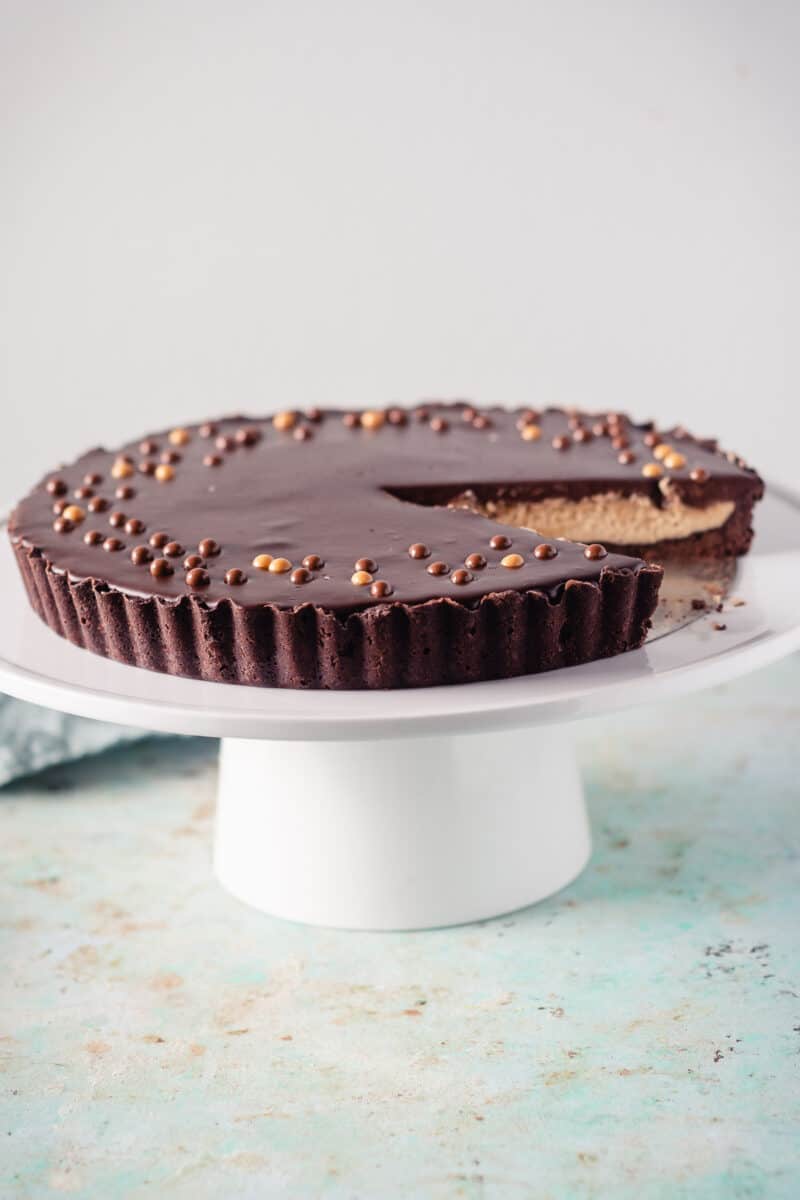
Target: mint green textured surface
(637, 1036)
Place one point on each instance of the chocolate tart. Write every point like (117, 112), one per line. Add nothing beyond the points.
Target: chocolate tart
(375, 549)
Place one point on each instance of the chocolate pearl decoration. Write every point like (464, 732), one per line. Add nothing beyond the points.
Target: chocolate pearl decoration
(93, 537)
(620, 443)
(146, 467)
(158, 539)
(481, 422)
(208, 429)
(148, 446)
(125, 492)
(530, 433)
(351, 420)
(662, 450)
(560, 443)
(313, 562)
(63, 525)
(84, 492)
(191, 561)
(113, 544)
(366, 564)
(314, 414)
(284, 421)
(360, 578)
(422, 413)
(600, 429)
(595, 551)
(92, 478)
(651, 439)
(74, 513)
(208, 547)
(164, 473)
(173, 549)
(302, 433)
(171, 457)
(262, 562)
(141, 555)
(468, 414)
(372, 419)
(674, 461)
(198, 577)
(626, 458)
(652, 470)
(97, 504)
(56, 487)
(300, 575)
(160, 568)
(460, 577)
(180, 437)
(544, 550)
(699, 475)
(117, 519)
(122, 469)
(437, 568)
(59, 507)
(500, 542)
(235, 577)
(134, 525)
(582, 434)
(397, 417)
(279, 566)
(418, 550)
(212, 460)
(475, 562)
(512, 561)
(248, 435)
(440, 425)
(380, 589)
(223, 442)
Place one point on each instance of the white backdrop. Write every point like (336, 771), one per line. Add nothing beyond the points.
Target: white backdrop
(207, 206)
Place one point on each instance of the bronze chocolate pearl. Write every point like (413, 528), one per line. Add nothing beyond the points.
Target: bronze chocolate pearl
(141, 555)
(600, 429)
(500, 542)
(475, 562)
(481, 421)
(208, 429)
(560, 443)
(223, 442)
(247, 436)
(97, 504)
(125, 492)
(545, 550)
(191, 561)
(380, 589)
(626, 458)
(197, 578)
(92, 478)
(83, 493)
(651, 439)
(366, 564)
(160, 568)
(574, 422)
(313, 562)
(468, 413)
(134, 525)
(620, 443)
(418, 550)
(595, 551)
(582, 435)
(302, 433)
(63, 525)
(208, 547)
(56, 487)
(117, 520)
(422, 414)
(173, 549)
(439, 425)
(351, 420)
(93, 537)
(235, 576)
(158, 539)
(314, 414)
(170, 457)
(212, 460)
(397, 416)
(146, 467)
(300, 575)
(59, 507)
(112, 544)
(437, 568)
(698, 475)
(460, 577)
(148, 446)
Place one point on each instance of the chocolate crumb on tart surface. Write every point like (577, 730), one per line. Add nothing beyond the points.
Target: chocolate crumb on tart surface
(380, 549)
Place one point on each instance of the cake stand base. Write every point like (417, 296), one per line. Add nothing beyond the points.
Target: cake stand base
(406, 834)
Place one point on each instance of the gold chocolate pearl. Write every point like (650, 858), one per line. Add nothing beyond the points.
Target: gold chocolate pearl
(662, 450)
(674, 461)
(74, 513)
(283, 421)
(512, 561)
(652, 471)
(279, 566)
(180, 437)
(262, 561)
(373, 419)
(164, 472)
(360, 578)
(122, 469)
(530, 433)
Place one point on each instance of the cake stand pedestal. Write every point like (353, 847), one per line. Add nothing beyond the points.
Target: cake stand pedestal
(412, 809)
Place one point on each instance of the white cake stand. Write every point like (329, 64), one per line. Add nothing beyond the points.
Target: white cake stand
(411, 809)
